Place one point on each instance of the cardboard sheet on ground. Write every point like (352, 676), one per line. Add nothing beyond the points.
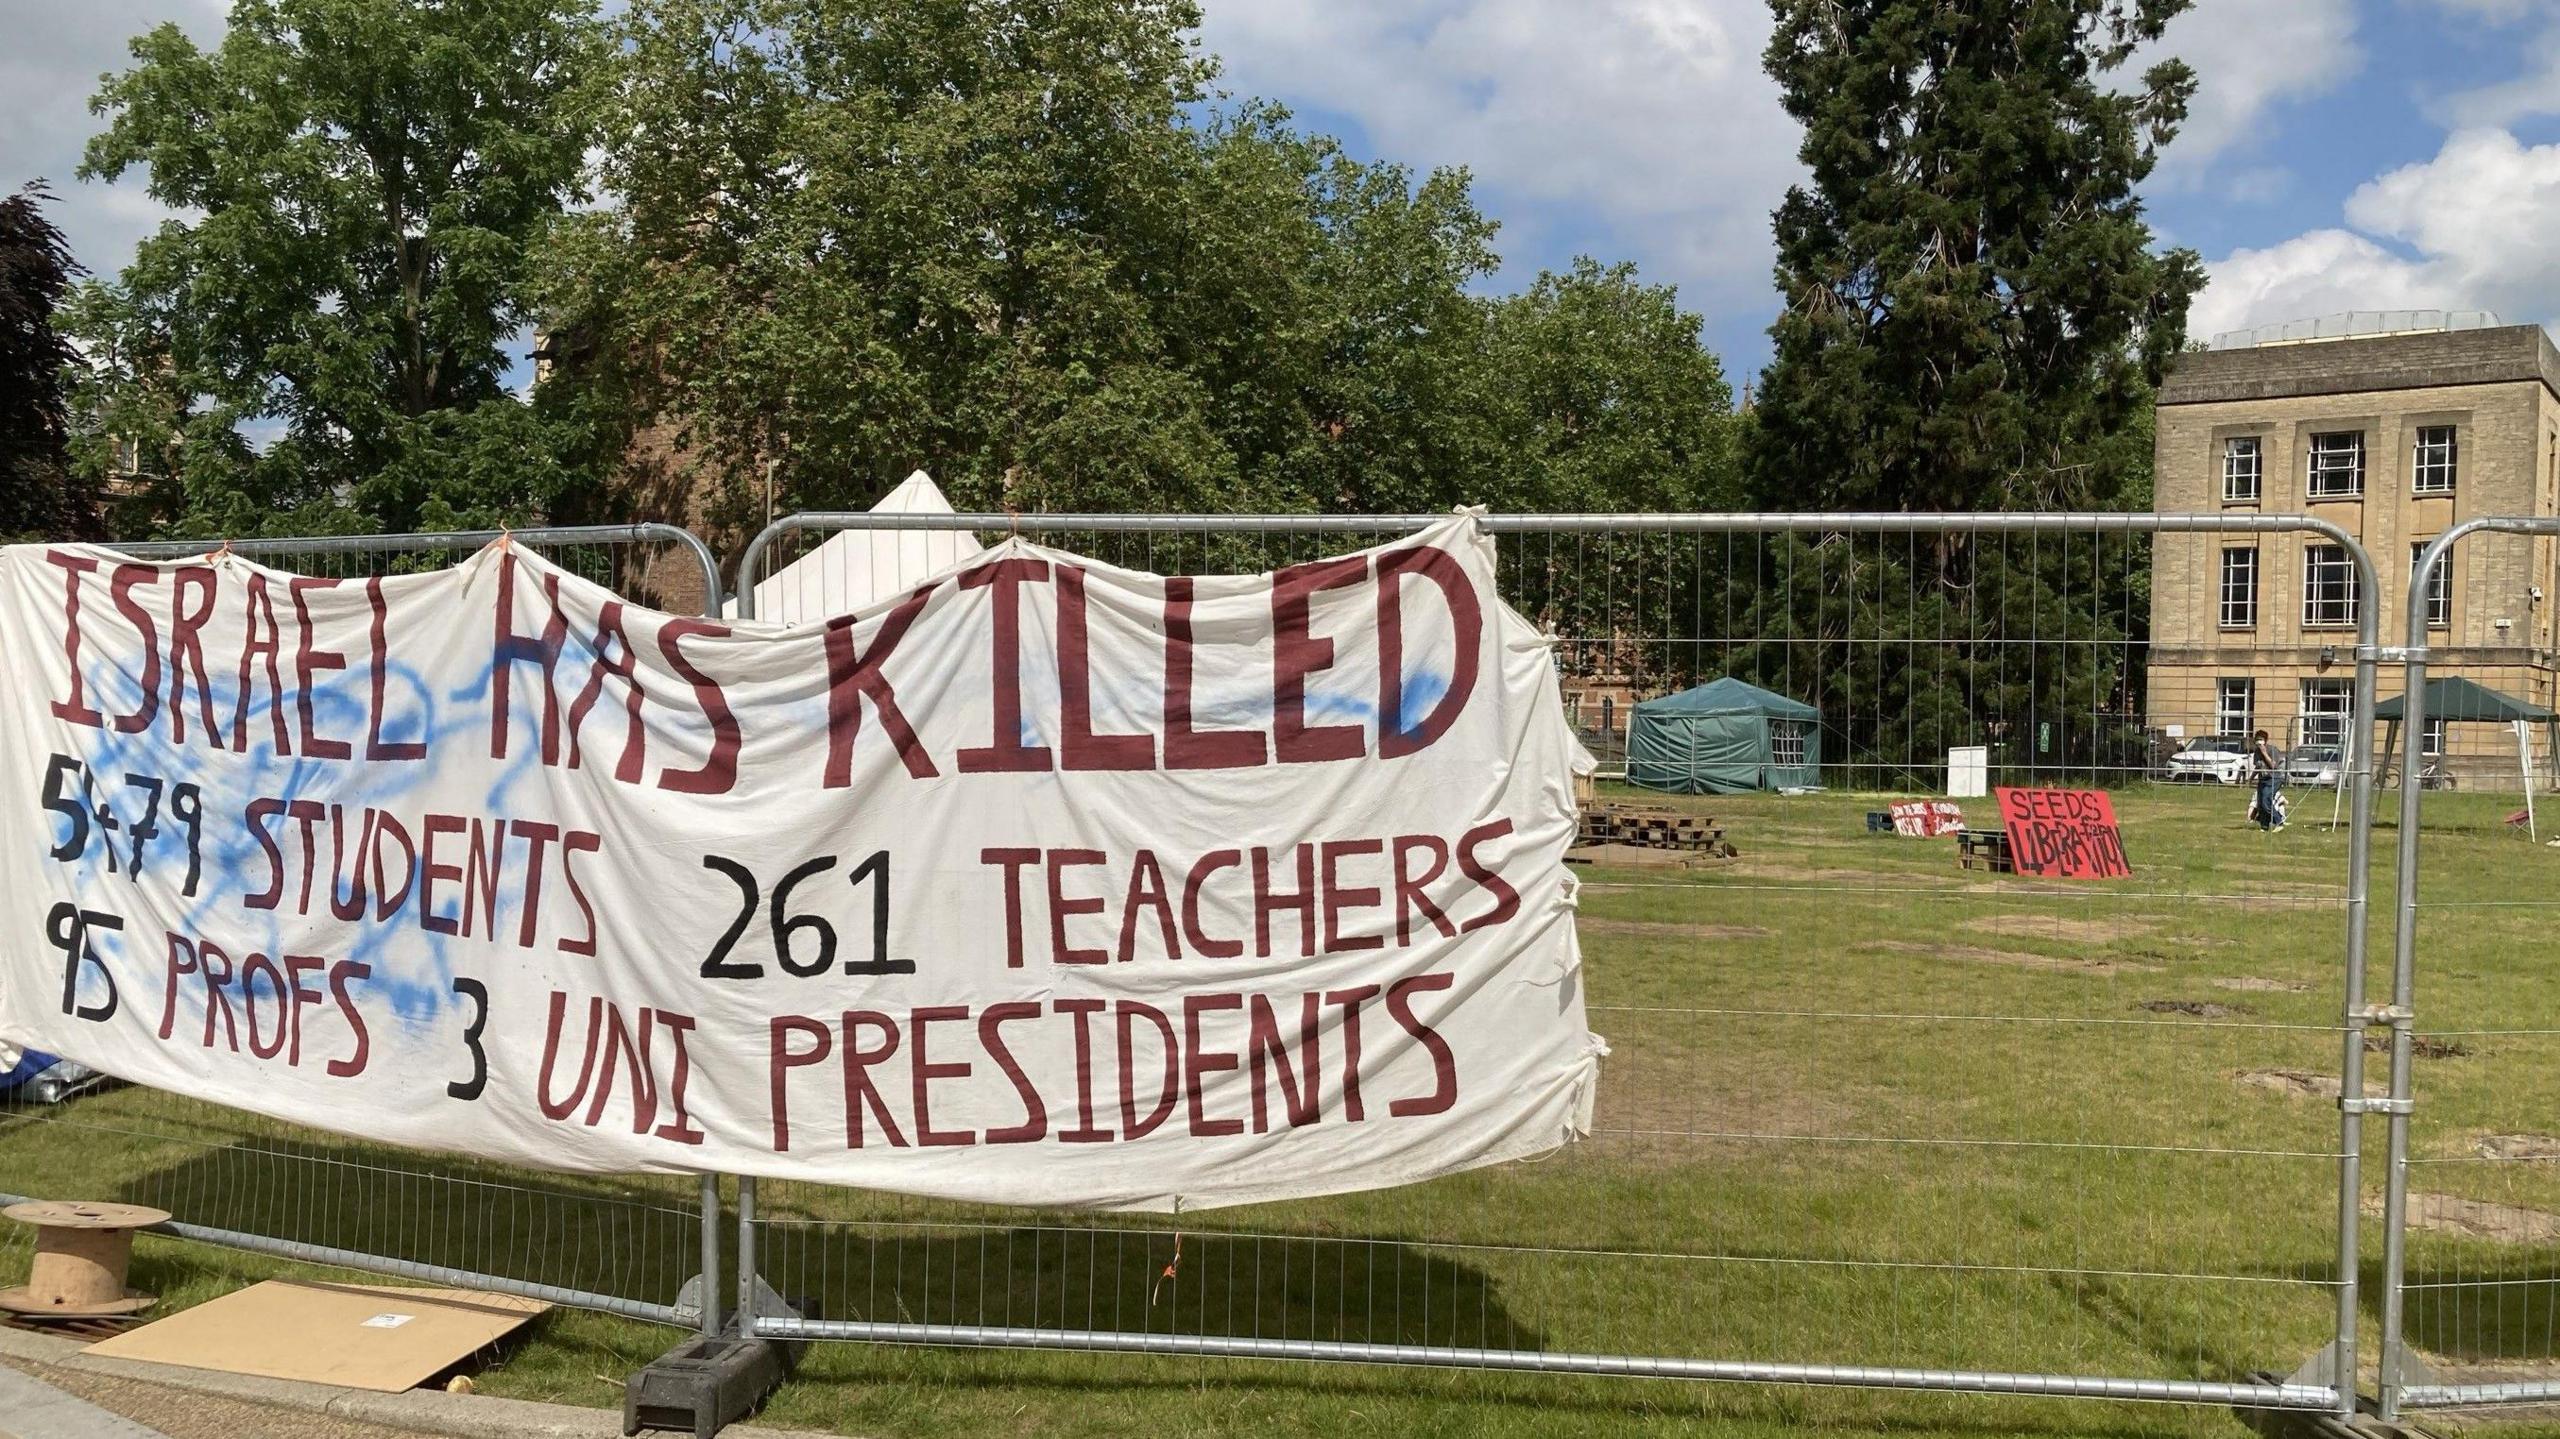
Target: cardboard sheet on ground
(355, 1336)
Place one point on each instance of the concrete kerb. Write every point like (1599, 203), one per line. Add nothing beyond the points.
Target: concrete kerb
(421, 1411)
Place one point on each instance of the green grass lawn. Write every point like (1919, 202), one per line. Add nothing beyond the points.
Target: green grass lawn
(1862, 1108)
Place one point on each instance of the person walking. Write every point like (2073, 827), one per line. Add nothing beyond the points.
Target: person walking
(2264, 767)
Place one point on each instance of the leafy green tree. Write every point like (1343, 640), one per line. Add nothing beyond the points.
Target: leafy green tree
(362, 184)
(858, 237)
(1024, 247)
(40, 498)
(1605, 398)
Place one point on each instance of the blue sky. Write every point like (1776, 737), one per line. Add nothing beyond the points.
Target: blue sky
(2344, 154)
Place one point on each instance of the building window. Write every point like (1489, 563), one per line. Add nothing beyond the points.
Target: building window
(2328, 586)
(2240, 588)
(2431, 462)
(2235, 701)
(2337, 466)
(2431, 739)
(2439, 586)
(2242, 464)
(1786, 743)
(2324, 712)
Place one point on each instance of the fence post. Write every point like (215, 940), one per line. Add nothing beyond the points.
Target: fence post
(747, 1256)
(2359, 758)
(2392, 1376)
(711, 1292)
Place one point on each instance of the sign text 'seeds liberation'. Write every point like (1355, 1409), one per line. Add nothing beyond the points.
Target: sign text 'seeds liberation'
(2063, 833)
(1048, 882)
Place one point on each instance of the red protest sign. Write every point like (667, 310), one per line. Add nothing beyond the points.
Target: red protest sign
(1926, 818)
(2063, 833)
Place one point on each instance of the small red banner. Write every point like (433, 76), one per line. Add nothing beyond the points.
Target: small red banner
(2063, 833)
(1926, 818)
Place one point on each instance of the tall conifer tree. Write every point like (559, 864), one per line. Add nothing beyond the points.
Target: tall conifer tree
(1973, 303)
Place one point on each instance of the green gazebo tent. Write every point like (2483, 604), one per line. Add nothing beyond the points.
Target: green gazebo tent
(2456, 700)
(1723, 737)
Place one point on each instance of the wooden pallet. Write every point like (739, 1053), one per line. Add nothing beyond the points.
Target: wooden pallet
(91, 1330)
(1653, 828)
(1986, 849)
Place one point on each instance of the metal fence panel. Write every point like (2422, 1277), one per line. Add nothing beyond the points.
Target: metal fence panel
(2471, 1205)
(1870, 1119)
(622, 1246)
(662, 566)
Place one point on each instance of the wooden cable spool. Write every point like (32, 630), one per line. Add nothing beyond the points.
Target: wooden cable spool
(82, 1254)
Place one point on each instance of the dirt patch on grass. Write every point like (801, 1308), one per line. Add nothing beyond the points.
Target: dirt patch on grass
(1637, 856)
(2301, 1083)
(1666, 1104)
(2061, 926)
(1668, 929)
(2251, 984)
(2475, 1218)
(2014, 958)
(2192, 1008)
(2419, 1045)
(2529, 1148)
(1824, 877)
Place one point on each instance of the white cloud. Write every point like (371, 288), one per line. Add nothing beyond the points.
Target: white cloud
(1653, 116)
(2249, 57)
(2534, 93)
(2473, 223)
(2311, 274)
(48, 71)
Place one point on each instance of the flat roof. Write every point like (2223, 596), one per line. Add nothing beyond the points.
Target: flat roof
(2502, 355)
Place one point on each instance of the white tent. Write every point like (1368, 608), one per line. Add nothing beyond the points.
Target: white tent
(858, 568)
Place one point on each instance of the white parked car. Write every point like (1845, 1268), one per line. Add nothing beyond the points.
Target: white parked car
(2313, 764)
(2223, 759)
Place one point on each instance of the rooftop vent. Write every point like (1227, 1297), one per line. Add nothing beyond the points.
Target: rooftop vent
(2355, 325)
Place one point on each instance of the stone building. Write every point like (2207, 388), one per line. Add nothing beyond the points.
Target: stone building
(2394, 436)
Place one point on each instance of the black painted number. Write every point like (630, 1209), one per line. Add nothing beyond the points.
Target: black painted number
(787, 926)
(69, 927)
(71, 791)
(717, 964)
(478, 994)
(804, 944)
(876, 870)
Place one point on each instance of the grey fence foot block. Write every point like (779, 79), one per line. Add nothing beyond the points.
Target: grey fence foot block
(710, 1380)
(701, 1385)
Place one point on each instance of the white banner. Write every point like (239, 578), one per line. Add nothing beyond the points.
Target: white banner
(1046, 883)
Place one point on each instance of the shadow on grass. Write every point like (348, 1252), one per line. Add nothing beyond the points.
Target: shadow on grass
(1241, 1394)
(640, 1240)
(637, 1239)
(2170, 1331)
(2503, 1307)
(1140, 1281)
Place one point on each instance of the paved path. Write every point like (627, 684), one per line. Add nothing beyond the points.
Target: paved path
(128, 1399)
(65, 1405)
(32, 1409)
